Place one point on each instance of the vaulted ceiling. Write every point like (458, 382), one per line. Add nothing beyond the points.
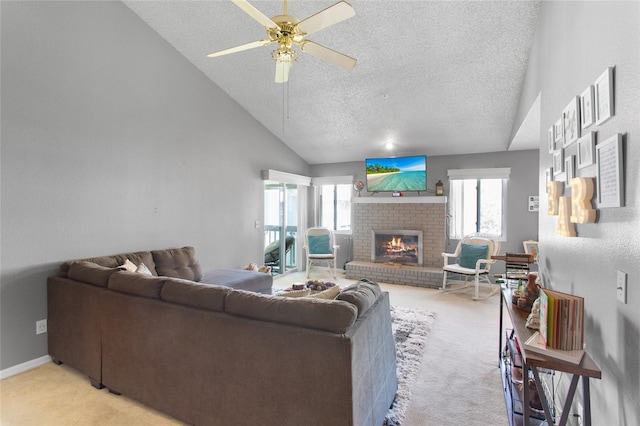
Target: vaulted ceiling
(432, 77)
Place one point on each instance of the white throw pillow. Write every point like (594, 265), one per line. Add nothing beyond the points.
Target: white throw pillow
(142, 269)
(128, 266)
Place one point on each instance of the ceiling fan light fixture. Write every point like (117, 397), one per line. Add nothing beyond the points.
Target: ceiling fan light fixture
(285, 54)
(287, 30)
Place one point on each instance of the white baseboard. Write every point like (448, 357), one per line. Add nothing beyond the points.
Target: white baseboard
(25, 366)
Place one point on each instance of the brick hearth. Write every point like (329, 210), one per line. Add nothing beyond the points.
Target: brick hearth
(412, 213)
(416, 276)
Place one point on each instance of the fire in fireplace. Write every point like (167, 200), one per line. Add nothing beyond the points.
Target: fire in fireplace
(400, 246)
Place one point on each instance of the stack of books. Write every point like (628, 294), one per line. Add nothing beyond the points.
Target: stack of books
(561, 334)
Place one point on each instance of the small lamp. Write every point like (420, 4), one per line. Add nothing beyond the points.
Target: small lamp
(439, 188)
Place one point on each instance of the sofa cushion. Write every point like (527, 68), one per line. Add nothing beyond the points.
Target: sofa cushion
(177, 263)
(114, 261)
(362, 294)
(189, 293)
(90, 273)
(136, 284)
(327, 315)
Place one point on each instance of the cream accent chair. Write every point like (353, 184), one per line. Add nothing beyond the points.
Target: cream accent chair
(471, 264)
(319, 246)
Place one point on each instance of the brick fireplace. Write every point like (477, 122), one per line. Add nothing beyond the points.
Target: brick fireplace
(426, 214)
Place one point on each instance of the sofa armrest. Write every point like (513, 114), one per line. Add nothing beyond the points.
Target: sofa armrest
(362, 295)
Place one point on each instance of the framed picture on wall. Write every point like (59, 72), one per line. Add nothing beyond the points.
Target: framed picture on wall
(548, 177)
(586, 150)
(610, 172)
(558, 132)
(571, 122)
(568, 168)
(586, 108)
(603, 94)
(530, 247)
(558, 162)
(551, 140)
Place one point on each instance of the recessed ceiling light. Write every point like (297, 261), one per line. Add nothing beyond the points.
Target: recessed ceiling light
(389, 146)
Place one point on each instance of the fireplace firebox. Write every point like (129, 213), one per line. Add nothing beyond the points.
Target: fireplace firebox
(397, 246)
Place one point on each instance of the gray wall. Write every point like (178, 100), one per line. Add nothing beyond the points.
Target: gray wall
(113, 142)
(521, 224)
(575, 42)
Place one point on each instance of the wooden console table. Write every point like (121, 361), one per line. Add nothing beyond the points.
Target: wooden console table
(585, 370)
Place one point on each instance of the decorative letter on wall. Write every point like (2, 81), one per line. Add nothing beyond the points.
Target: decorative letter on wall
(555, 189)
(581, 195)
(565, 227)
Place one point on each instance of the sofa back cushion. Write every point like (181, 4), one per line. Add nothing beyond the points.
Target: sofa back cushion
(114, 261)
(136, 284)
(189, 293)
(90, 273)
(178, 263)
(319, 314)
(362, 294)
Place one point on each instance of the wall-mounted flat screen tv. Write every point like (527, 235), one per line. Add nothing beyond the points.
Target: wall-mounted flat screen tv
(397, 174)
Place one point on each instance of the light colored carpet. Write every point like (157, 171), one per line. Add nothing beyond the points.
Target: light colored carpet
(458, 382)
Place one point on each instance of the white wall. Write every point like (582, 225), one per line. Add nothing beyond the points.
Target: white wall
(575, 42)
(113, 142)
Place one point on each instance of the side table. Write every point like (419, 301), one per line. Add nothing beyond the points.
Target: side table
(532, 362)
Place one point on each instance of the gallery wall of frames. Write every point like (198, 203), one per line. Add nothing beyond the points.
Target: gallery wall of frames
(575, 145)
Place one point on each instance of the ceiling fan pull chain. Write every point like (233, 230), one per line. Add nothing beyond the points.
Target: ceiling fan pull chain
(288, 99)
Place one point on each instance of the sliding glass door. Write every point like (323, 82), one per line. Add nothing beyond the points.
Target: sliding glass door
(280, 225)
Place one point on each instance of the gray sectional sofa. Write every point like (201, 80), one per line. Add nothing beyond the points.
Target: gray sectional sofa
(215, 355)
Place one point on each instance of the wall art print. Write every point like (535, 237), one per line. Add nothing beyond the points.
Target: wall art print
(571, 122)
(587, 108)
(603, 93)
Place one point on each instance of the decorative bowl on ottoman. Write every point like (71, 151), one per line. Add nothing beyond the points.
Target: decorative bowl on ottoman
(318, 285)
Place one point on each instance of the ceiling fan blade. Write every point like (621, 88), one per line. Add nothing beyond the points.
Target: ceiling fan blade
(282, 71)
(331, 15)
(328, 55)
(247, 46)
(255, 13)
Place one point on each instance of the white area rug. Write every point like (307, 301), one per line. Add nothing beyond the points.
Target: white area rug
(410, 328)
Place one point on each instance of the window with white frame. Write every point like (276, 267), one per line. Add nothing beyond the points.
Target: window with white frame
(334, 202)
(477, 202)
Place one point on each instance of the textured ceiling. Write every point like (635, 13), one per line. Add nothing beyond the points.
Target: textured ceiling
(433, 77)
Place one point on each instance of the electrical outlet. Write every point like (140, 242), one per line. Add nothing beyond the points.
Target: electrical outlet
(621, 286)
(41, 326)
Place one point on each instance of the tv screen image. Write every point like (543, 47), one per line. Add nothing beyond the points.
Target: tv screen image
(396, 174)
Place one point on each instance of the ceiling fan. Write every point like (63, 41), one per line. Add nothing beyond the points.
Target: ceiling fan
(287, 30)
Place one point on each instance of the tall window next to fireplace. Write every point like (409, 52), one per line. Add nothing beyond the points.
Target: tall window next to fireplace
(397, 246)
